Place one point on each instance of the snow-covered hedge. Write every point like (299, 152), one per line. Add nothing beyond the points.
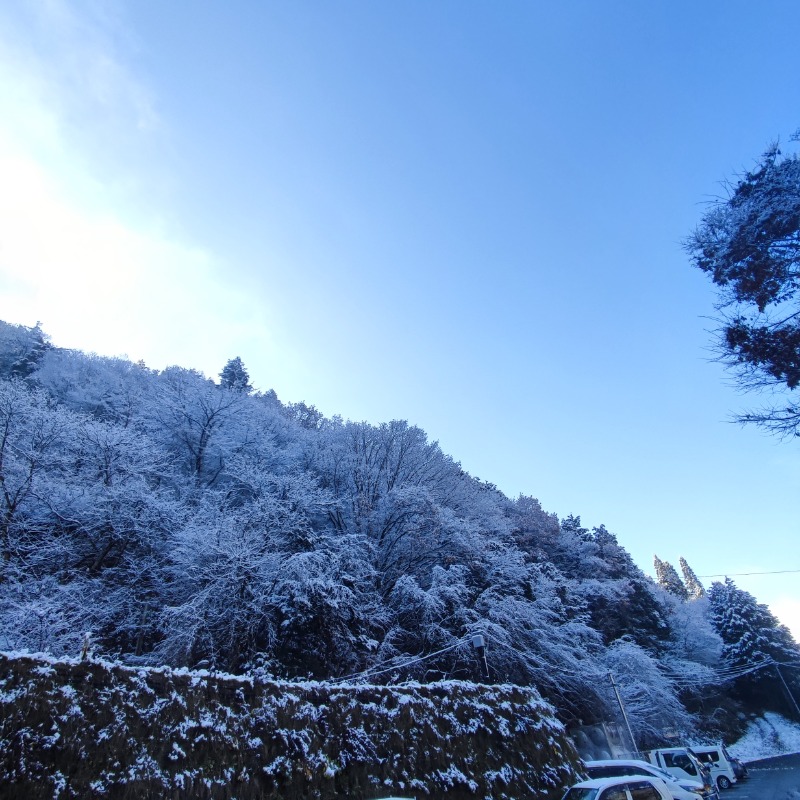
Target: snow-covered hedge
(96, 729)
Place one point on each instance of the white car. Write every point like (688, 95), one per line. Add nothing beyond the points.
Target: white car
(630, 787)
(679, 789)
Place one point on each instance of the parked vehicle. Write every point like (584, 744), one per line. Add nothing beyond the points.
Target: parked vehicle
(632, 787)
(739, 769)
(683, 764)
(723, 766)
(679, 789)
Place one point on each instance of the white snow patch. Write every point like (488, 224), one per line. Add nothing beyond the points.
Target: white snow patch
(177, 752)
(770, 735)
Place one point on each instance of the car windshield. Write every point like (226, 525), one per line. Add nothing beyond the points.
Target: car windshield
(576, 793)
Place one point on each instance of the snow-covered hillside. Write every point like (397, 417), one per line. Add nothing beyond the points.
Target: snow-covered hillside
(186, 522)
(770, 735)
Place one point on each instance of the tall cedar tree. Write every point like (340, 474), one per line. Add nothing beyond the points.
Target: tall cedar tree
(668, 578)
(692, 583)
(234, 376)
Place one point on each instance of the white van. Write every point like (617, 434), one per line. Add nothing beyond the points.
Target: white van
(725, 770)
(682, 763)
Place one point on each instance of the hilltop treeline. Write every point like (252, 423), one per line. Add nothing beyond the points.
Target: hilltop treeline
(184, 521)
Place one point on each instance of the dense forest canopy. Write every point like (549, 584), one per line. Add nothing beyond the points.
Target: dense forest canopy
(188, 522)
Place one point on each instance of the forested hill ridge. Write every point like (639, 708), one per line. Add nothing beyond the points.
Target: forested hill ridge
(188, 522)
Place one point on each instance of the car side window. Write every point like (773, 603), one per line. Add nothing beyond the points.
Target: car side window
(643, 791)
(614, 793)
(682, 761)
(601, 772)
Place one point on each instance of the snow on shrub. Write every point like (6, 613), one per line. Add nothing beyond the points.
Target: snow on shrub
(92, 728)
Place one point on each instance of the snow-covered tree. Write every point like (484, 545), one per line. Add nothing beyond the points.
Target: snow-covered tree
(196, 421)
(235, 377)
(33, 436)
(749, 245)
(305, 415)
(667, 577)
(693, 637)
(692, 583)
(21, 349)
(750, 632)
(753, 641)
(113, 389)
(650, 697)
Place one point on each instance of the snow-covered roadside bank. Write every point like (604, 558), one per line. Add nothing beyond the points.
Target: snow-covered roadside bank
(770, 735)
(93, 728)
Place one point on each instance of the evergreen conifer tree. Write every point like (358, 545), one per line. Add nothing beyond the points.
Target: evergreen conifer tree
(668, 578)
(692, 583)
(572, 524)
(750, 632)
(21, 349)
(753, 637)
(234, 376)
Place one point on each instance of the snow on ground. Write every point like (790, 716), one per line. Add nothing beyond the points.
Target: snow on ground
(770, 735)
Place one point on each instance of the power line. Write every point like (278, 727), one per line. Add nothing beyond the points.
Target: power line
(724, 675)
(737, 574)
(368, 673)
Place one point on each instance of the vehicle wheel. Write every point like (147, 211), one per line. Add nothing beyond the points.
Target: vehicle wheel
(723, 782)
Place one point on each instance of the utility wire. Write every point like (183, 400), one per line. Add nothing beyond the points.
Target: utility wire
(722, 676)
(679, 680)
(738, 574)
(726, 672)
(368, 673)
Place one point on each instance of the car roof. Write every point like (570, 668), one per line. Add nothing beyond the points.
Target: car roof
(601, 783)
(653, 770)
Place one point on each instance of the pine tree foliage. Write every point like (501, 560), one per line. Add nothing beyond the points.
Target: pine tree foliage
(750, 633)
(667, 576)
(21, 349)
(753, 643)
(749, 245)
(692, 583)
(235, 377)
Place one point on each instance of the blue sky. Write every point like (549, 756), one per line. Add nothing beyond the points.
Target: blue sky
(464, 214)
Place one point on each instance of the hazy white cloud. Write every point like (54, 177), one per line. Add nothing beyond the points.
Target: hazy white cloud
(69, 57)
(99, 284)
(68, 256)
(787, 610)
